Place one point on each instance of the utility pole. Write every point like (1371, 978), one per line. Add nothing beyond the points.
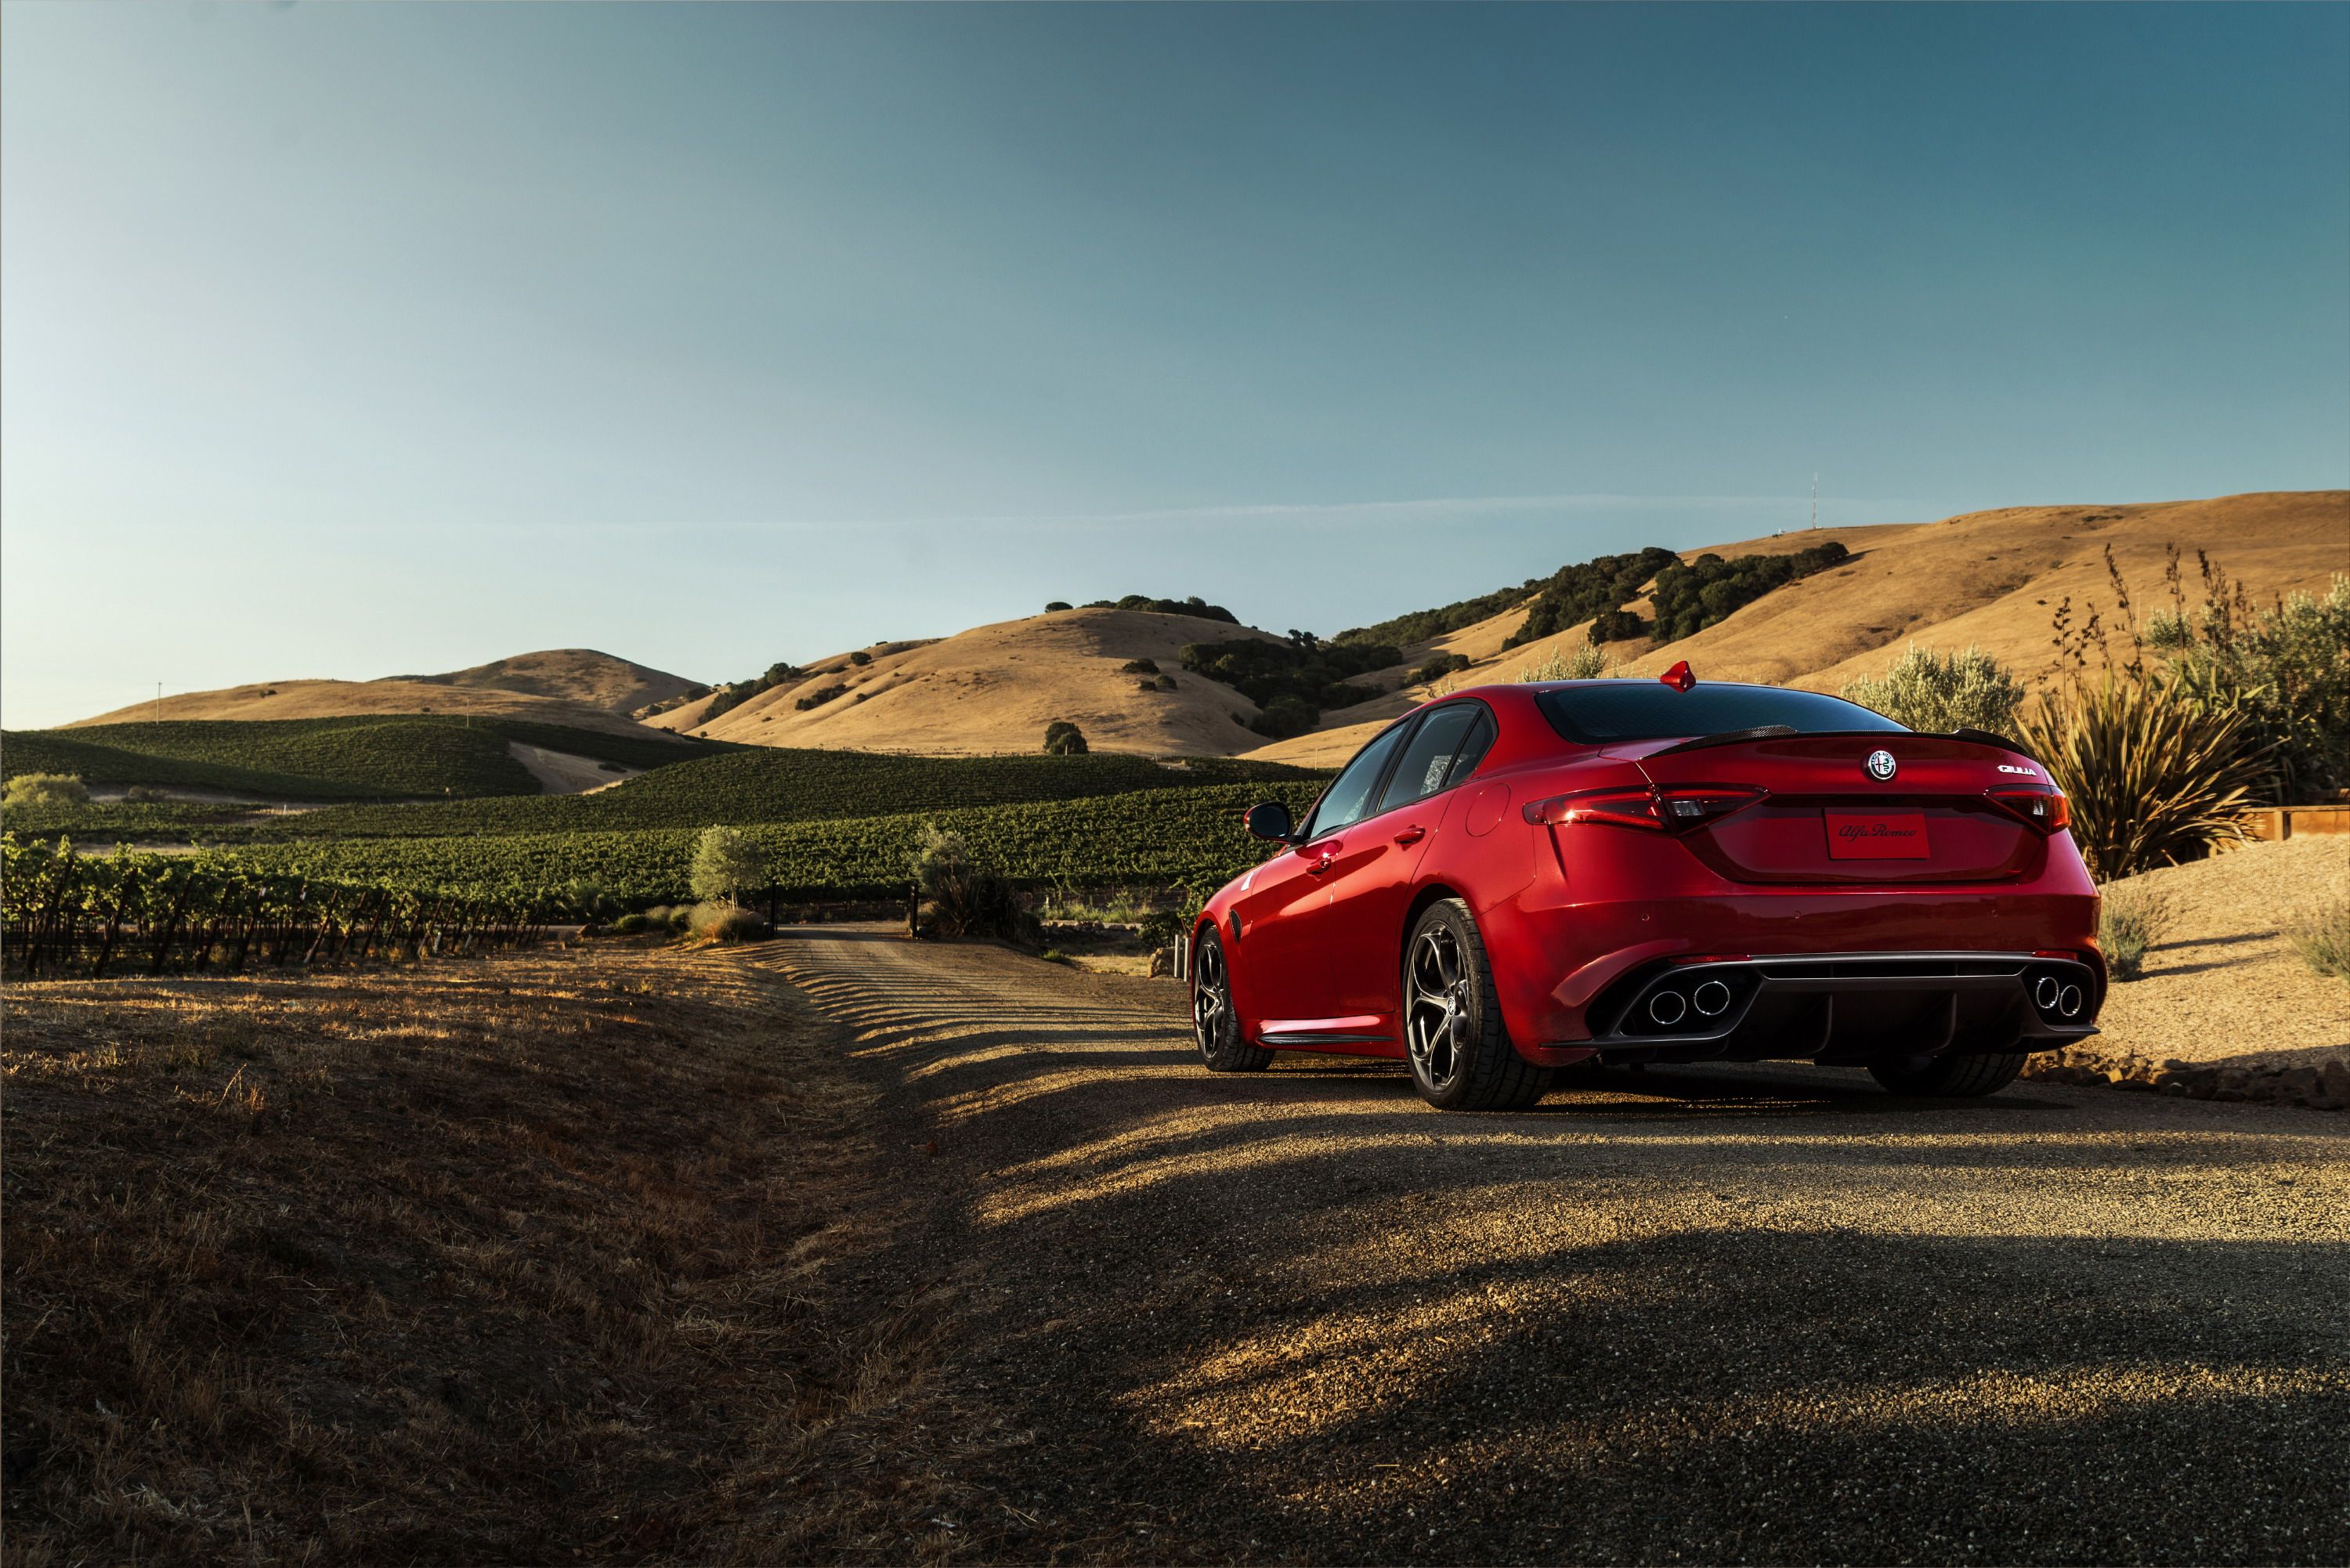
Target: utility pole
(159, 702)
(1815, 500)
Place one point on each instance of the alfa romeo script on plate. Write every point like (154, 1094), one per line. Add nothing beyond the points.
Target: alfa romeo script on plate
(1876, 835)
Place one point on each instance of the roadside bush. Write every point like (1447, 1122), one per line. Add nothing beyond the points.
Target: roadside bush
(2321, 935)
(963, 897)
(726, 861)
(2132, 920)
(1939, 692)
(819, 697)
(1584, 661)
(1063, 739)
(1138, 667)
(628, 925)
(1437, 667)
(2152, 780)
(45, 791)
(1616, 626)
(722, 922)
(2286, 670)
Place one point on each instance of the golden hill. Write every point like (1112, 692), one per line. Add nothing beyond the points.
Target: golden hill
(573, 675)
(326, 699)
(1991, 578)
(994, 689)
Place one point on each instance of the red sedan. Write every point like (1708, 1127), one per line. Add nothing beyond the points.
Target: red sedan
(1522, 877)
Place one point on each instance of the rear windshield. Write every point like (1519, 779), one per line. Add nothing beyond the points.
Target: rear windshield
(1651, 711)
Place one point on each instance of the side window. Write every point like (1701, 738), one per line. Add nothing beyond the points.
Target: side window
(1347, 799)
(1472, 750)
(1428, 761)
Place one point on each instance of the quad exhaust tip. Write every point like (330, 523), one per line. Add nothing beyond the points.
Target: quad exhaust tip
(2054, 996)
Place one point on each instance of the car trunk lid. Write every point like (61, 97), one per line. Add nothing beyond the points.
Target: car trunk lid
(1870, 807)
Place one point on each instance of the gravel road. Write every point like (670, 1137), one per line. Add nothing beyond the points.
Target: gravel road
(1767, 1314)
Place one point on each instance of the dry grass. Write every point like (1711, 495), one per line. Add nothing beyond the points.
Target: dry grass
(543, 1257)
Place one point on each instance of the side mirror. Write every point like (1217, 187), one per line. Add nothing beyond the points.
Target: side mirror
(1270, 820)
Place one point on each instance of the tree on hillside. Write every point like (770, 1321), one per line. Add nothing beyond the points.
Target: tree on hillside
(726, 862)
(1063, 739)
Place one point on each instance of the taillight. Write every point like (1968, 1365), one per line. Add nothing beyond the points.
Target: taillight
(1666, 810)
(1698, 805)
(2042, 806)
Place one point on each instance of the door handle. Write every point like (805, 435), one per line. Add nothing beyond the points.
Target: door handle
(1411, 835)
(1318, 867)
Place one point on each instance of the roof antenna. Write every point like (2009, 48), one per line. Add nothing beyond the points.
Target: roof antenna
(1679, 677)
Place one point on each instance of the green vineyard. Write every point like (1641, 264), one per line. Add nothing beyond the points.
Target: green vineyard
(364, 757)
(1189, 836)
(69, 915)
(738, 787)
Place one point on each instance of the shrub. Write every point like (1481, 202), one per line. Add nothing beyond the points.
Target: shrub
(860, 658)
(1138, 667)
(628, 925)
(1584, 661)
(2321, 935)
(659, 915)
(1145, 686)
(819, 697)
(1437, 667)
(590, 900)
(722, 922)
(726, 860)
(1942, 691)
(30, 790)
(1688, 598)
(1616, 626)
(963, 897)
(1063, 739)
(145, 795)
(2132, 920)
(1055, 955)
(1286, 716)
(1058, 605)
(2287, 670)
(2152, 780)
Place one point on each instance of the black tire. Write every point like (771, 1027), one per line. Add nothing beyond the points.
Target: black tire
(1215, 1027)
(1950, 1077)
(1460, 1054)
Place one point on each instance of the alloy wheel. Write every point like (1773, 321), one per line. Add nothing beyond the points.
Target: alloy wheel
(1212, 1000)
(1440, 1009)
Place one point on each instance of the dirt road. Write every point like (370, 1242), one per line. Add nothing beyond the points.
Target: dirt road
(1732, 1313)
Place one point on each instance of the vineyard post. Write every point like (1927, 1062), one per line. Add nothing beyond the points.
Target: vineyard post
(326, 926)
(163, 948)
(288, 922)
(246, 928)
(113, 922)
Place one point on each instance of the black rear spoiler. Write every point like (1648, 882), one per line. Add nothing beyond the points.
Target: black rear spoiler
(1770, 732)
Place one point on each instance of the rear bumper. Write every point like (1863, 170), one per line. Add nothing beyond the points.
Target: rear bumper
(1838, 1007)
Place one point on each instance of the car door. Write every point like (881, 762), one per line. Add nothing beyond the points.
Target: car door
(1361, 922)
(1288, 987)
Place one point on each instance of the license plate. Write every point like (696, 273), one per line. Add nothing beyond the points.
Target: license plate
(1877, 835)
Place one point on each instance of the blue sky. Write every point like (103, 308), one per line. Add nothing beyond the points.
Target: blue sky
(359, 340)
